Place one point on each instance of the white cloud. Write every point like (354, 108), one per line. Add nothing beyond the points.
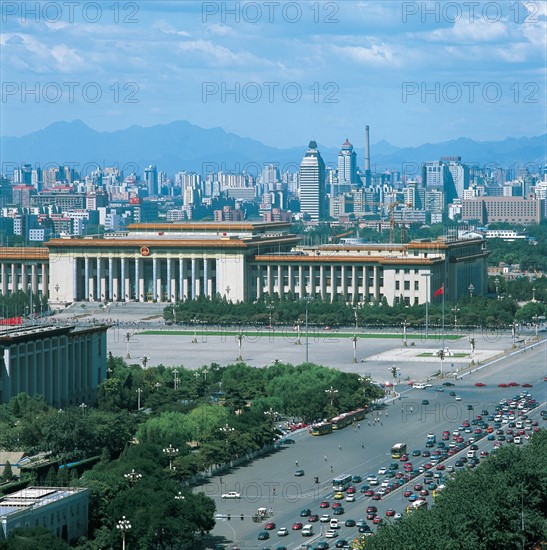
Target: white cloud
(376, 54)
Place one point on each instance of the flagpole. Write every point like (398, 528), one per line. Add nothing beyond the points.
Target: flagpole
(443, 325)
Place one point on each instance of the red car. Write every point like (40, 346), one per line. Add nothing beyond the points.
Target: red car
(313, 517)
(371, 509)
(502, 385)
(336, 505)
(324, 504)
(269, 526)
(390, 513)
(479, 385)
(377, 520)
(527, 385)
(376, 496)
(418, 487)
(513, 384)
(424, 493)
(296, 526)
(350, 490)
(407, 493)
(404, 458)
(368, 493)
(440, 467)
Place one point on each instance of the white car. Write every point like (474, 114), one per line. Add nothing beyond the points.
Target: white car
(350, 498)
(231, 494)
(283, 532)
(382, 471)
(324, 518)
(331, 533)
(458, 398)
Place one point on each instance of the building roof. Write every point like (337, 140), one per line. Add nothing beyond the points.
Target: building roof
(34, 497)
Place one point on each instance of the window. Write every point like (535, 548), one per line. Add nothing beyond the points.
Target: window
(407, 285)
(397, 285)
(416, 285)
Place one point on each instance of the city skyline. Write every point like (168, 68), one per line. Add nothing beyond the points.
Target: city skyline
(416, 72)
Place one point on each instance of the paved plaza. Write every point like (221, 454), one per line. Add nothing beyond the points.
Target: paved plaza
(375, 353)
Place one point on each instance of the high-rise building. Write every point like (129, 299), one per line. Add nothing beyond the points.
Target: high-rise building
(459, 173)
(151, 180)
(347, 164)
(312, 183)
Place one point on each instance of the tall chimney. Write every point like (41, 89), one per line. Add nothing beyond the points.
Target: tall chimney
(367, 151)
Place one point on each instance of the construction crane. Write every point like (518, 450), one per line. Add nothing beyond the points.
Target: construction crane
(391, 206)
(336, 238)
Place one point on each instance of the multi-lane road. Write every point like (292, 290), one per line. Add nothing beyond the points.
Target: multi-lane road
(270, 482)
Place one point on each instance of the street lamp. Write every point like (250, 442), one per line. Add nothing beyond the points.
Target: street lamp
(514, 328)
(180, 496)
(226, 430)
(427, 277)
(307, 301)
(331, 392)
(471, 288)
(298, 323)
(239, 339)
(83, 407)
(139, 393)
(144, 361)
(171, 452)
(497, 283)
(133, 477)
(127, 340)
(195, 339)
(393, 371)
(354, 340)
(535, 318)
(533, 294)
(176, 379)
(123, 525)
(272, 415)
(270, 307)
(455, 311)
(405, 325)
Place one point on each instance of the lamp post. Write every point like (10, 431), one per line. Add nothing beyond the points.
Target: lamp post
(271, 414)
(533, 294)
(427, 277)
(176, 379)
(331, 392)
(139, 393)
(123, 525)
(239, 339)
(270, 307)
(298, 341)
(180, 497)
(195, 339)
(354, 340)
(307, 301)
(455, 311)
(127, 340)
(226, 430)
(497, 283)
(514, 331)
(171, 452)
(144, 361)
(83, 407)
(133, 477)
(393, 371)
(471, 289)
(535, 318)
(405, 325)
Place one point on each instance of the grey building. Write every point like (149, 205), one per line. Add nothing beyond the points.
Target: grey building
(312, 184)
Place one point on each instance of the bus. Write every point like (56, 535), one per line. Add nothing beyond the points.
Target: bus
(341, 421)
(341, 483)
(321, 429)
(398, 450)
(416, 505)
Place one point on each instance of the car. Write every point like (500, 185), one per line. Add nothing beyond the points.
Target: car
(364, 488)
(479, 385)
(324, 504)
(369, 492)
(331, 534)
(365, 529)
(350, 498)
(458, 398)
(324, 518)
(323, 545)
(282, 532)
(448, 384)
(338, 511)
(305, 512)
(502, 385)
(231, 494)
(299, 473)
(390, 512)
(382, 471)
(263, 535)
(416, 452)
(356, 479)
(296, 526)
(425, 402)
(439, 389)
(338, 496)
(377, 520)
(351, 490)
(341, 543)
(269, 526)
(377, 496)
(336, 505)
(371, 508)
(313, 518)
(361, 523)
(350, 523)
(287, 441)
(526, 385)
(513, 384)
(452, 394)
(407, 493)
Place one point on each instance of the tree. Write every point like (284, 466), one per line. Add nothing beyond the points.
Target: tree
(7, 474)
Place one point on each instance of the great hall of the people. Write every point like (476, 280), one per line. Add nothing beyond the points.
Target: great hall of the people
(242, 261)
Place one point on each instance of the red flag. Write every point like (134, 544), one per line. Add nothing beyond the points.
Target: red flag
(439, 292)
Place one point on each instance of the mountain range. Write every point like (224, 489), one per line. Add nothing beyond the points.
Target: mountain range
(180, 146)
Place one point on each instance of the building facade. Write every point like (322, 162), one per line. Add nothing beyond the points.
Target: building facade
(517, 210)
(312, 184)
(62, 510)
(63, 364)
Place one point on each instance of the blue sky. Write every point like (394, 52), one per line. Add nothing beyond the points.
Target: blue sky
(281, 72)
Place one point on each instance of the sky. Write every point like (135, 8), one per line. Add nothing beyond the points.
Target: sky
(282, 72)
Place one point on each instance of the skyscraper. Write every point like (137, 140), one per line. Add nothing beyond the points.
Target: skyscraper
(347, 165)
(312, 184)
(151, 180)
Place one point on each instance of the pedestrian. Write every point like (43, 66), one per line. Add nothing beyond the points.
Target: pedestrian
(325, 457)
(369, 423)
(363, 445)
(296, 462)
(331, 469)
(340, 447)
(273, 490)
(359, 426)
(386, 414)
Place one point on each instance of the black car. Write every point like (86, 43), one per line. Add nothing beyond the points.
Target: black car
(305, 513)
(448, 384)
(350, 523)
(299, 473)
(340, 543)
(364, 529)
(263, 535)
(425, 402)
(287, 441)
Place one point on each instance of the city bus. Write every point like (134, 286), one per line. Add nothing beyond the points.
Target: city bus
(416, 505)
(321, 429)
(398, 450)
(341, 421)
(341, 483)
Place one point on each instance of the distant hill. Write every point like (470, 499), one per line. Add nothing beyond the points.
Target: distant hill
(179, 146)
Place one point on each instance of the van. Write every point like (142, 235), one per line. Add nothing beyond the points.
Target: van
(470, 454)
(334, 524)
(307, 530)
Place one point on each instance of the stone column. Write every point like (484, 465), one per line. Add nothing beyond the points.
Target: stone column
(98, 285)
(4, 289)
(123, 289)
(139, 297)
(332, 282)
(111, 278)
(87, 297)
(280, 281)
(181, 279)
(75, 280)
(194, 291)
(154, 279)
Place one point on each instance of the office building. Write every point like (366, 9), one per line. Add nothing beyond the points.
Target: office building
(516, 210)
(347, 165)
(151, 180)
(312, 184)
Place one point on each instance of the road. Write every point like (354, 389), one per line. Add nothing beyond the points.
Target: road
(408, 420)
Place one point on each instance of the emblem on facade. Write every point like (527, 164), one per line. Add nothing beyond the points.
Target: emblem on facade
(145, 251)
